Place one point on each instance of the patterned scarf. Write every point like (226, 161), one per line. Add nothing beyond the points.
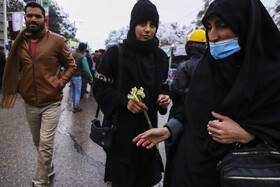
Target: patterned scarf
(12, 69)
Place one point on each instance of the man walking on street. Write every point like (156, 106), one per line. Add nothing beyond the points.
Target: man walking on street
(99, 58)
(38, 55)
(85, 78)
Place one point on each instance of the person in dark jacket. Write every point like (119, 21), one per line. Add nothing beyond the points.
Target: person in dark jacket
(144, 65)
(195, 48)
(234, 93)
(85, 78)
(90, 61)
(99, 57)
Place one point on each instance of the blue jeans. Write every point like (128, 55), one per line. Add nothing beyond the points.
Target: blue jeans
(76, 85)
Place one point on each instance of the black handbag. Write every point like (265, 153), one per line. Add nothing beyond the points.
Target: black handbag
(246, 166)
(103, 135)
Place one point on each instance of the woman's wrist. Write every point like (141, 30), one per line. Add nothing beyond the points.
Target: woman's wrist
(167, 133)
(246, 137)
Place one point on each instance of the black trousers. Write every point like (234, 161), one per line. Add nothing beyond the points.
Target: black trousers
(84, 84)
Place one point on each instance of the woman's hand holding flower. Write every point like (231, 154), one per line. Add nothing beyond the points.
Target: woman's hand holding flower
(135, 106)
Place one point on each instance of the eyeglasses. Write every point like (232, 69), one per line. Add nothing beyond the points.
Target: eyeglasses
(35, 15)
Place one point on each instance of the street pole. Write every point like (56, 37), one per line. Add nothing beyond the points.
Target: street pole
(45, 4)
(3, 25)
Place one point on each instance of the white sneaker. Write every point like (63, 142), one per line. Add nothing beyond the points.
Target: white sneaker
(50, 174)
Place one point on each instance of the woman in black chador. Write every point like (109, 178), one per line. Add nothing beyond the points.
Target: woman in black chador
(144, 65)
(236, 82)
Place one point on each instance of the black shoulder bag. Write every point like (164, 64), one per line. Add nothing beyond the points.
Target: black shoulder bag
(103, 135)
(256, 166)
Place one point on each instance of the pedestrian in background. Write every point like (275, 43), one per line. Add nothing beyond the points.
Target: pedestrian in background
(99, 57)
(144, 65)
(76, 80)
(90, 62)
(37, 78)
(195, 48)
(2, 65)
(95, 55)
(94, 59)
(234, 94)
(85, 78)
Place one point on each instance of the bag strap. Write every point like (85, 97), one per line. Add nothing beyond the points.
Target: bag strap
(97, 111)
(120, 59)
(119, 80)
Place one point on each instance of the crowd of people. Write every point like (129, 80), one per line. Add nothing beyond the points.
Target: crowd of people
(227, 92)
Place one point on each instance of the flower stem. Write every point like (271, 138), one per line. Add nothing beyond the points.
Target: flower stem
(148, 119)
(149, 122)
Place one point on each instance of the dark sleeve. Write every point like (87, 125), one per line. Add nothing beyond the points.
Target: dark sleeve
(180, 81)
(177, 107)
(176, 122)
(175, 128)
(164, 88)
(104, 86)
(180, 86)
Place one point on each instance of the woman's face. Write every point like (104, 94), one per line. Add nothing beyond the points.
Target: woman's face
(145, 30)
(218, 30)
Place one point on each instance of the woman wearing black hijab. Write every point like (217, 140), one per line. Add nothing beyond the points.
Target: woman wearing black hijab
(144, 65)
(237, 82)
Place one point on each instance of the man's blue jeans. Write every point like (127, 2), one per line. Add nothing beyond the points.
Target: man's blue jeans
(76, 85)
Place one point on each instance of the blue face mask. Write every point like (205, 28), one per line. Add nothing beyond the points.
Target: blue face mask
(223, 49)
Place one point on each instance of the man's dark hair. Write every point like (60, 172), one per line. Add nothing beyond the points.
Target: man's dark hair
(82, 46)
(102, 51)
(35, 5)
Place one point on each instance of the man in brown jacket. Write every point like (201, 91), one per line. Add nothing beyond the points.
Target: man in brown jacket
(38, 55)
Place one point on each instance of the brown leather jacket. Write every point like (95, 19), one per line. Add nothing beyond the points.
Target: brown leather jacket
(41, 82)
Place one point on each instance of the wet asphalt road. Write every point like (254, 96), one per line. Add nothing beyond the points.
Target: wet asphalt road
(77, 160)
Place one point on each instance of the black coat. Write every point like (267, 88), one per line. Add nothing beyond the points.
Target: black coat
(141, 69)
(244, 86)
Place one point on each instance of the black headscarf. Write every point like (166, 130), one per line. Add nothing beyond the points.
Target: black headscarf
(143, 10)
(141, 46)
(147, 56)
(244, 86)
